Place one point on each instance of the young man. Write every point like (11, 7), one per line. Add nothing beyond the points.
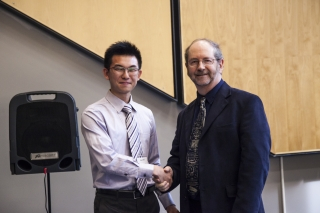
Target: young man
(220, 153)
(122, 141)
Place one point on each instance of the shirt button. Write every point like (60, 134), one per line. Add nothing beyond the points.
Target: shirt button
(145, 175)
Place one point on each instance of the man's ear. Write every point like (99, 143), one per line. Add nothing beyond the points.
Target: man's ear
(221, 65)
(106, 73)
(139, 74)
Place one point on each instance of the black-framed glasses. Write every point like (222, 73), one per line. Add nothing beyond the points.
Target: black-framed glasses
(120, 69)
(205, 61)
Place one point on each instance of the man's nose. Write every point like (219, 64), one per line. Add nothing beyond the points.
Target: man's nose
(201, 65)
(125, 74)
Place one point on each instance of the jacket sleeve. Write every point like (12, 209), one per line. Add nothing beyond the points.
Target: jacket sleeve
(255, 142)
(174, 159)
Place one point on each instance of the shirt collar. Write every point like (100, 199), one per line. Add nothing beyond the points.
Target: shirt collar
(211, 94)
(118, 104)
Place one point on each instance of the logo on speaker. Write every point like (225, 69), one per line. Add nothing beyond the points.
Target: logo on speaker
(44, 156)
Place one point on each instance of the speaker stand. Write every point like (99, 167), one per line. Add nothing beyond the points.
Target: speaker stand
(49, 192)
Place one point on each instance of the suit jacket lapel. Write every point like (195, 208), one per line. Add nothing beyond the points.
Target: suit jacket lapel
(188, 121)
(219, 103)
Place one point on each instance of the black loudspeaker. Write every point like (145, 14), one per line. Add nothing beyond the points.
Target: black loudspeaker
(43, 133)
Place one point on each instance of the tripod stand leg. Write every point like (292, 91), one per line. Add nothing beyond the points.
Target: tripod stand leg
(49, 192)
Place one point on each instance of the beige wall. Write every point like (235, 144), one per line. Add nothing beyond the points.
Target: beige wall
(271, 48)
(97, 24)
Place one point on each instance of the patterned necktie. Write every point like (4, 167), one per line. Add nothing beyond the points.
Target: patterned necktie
(192, 154)
(135, 144)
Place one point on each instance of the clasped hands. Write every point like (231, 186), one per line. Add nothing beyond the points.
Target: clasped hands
(162, 177)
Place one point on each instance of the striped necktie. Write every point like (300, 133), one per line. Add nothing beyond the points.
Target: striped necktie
(135, 143)
(192, 163)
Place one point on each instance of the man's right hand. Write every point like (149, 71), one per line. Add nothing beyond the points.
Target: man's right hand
(162, 177)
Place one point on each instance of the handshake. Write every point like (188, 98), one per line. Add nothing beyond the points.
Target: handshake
(162, 177)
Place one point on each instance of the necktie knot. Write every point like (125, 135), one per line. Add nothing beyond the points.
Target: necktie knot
(127, 108)
(203, 102)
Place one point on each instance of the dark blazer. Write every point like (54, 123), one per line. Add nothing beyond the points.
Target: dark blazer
(233, 150)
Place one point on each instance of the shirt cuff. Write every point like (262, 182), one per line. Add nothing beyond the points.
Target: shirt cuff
(145, 170)
(165, 199)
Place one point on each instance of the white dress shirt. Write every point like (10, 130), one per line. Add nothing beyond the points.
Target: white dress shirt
(104, 130)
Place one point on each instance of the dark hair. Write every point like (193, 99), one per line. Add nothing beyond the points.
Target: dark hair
(217, 53)
(121, 48)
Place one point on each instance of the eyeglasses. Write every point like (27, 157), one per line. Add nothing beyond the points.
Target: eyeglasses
(120, 69)
(205, 61)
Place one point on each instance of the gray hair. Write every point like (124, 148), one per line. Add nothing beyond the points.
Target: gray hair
(217, 53)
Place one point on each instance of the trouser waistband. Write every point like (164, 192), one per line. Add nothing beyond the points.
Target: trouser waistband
(135, 194)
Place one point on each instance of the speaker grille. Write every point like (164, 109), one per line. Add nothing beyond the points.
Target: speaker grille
(43, 127)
